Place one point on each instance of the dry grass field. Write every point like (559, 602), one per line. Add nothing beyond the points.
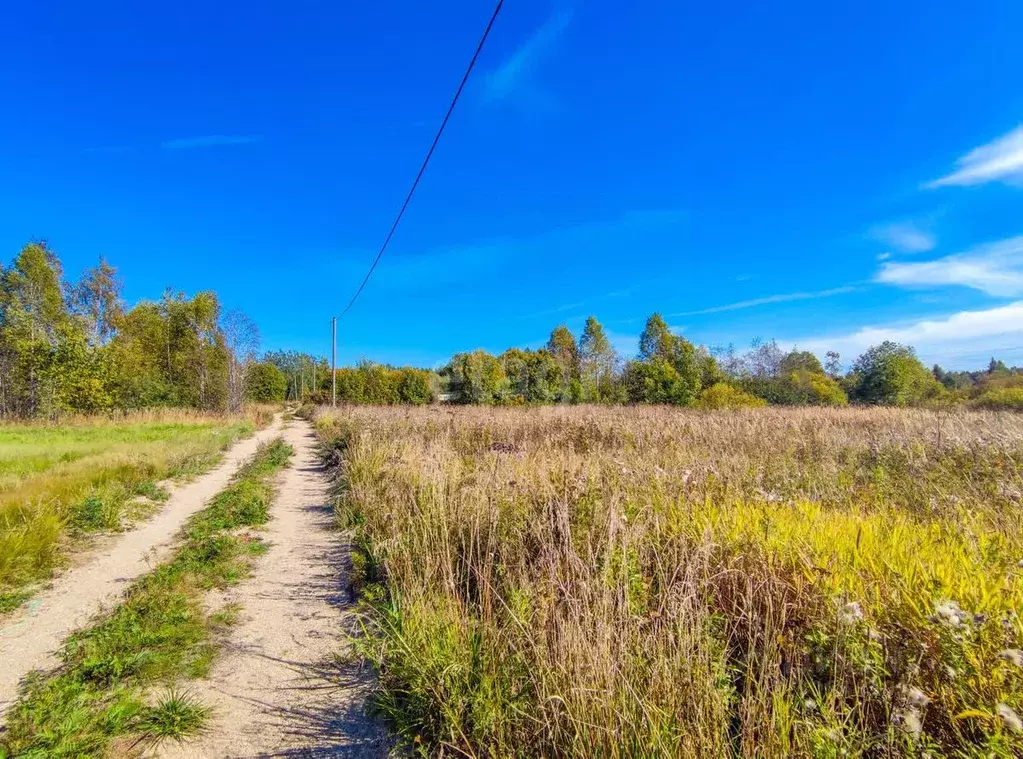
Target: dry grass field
(639, 582)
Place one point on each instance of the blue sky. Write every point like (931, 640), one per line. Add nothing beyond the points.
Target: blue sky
(826, 176)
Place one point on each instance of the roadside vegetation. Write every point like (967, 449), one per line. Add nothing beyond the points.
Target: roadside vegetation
(637, 582)
(121, 686)
(60, 483)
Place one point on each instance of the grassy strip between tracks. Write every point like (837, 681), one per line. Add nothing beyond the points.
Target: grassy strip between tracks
(119, 688)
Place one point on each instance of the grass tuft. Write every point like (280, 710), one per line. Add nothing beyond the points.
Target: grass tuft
(176, 716)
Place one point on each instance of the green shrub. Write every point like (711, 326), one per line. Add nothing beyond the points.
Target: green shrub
(657, 381)
(799, 388)
(722, 396)
(478, 377)
(380, 385)
(1003, 399)
(265, 383)
(415, 386)
(890, 374)
(817, 389)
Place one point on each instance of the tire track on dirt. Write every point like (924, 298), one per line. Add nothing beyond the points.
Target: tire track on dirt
(30, 639)
(279, 689)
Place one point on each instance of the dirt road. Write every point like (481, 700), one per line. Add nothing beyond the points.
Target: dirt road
(278, 689)
(31, 637)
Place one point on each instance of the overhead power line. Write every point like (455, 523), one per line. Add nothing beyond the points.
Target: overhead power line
(426, 161)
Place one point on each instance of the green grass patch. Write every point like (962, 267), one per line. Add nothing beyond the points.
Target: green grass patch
(159, 634)
(59, 482)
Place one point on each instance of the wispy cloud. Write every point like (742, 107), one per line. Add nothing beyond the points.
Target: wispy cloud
(904, 236)
(210, 141)
(769, 299)
(960, 334)
(995, 268)
(998, 161)
(579, 305)
(514, 72)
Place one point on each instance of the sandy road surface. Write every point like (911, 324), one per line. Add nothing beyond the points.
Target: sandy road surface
(278, 690)
(31, 637)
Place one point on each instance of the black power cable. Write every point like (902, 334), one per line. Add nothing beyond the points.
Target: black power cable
(422, 169)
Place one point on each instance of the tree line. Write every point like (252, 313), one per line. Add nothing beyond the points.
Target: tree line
(75, 347)
(668, 369)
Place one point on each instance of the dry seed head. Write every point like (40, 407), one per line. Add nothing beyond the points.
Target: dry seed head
(1013, 656)
(915, 697)
(1010, 719)
(850, 613)
(910, 723)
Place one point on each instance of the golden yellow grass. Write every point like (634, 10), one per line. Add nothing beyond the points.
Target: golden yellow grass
(88, 473)
(661, 582)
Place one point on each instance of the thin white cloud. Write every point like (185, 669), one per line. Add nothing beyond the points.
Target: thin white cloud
(995, 268)
(579, 305)
(998, 161)
(957, 335)
(904, 236)
(210, 141)
(782, 298)
(511, 74)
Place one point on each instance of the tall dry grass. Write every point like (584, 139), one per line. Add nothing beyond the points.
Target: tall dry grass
(640, 582)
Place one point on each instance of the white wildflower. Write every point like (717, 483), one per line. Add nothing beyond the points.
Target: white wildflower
(1010, 718)
(850, 613)
(1013, 656)
(810, 705)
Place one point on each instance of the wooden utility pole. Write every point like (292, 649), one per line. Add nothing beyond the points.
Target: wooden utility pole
(333, 361)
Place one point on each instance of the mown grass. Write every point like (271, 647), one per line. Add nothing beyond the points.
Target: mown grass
(159, 636)
(654, 582)
(61, 481)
